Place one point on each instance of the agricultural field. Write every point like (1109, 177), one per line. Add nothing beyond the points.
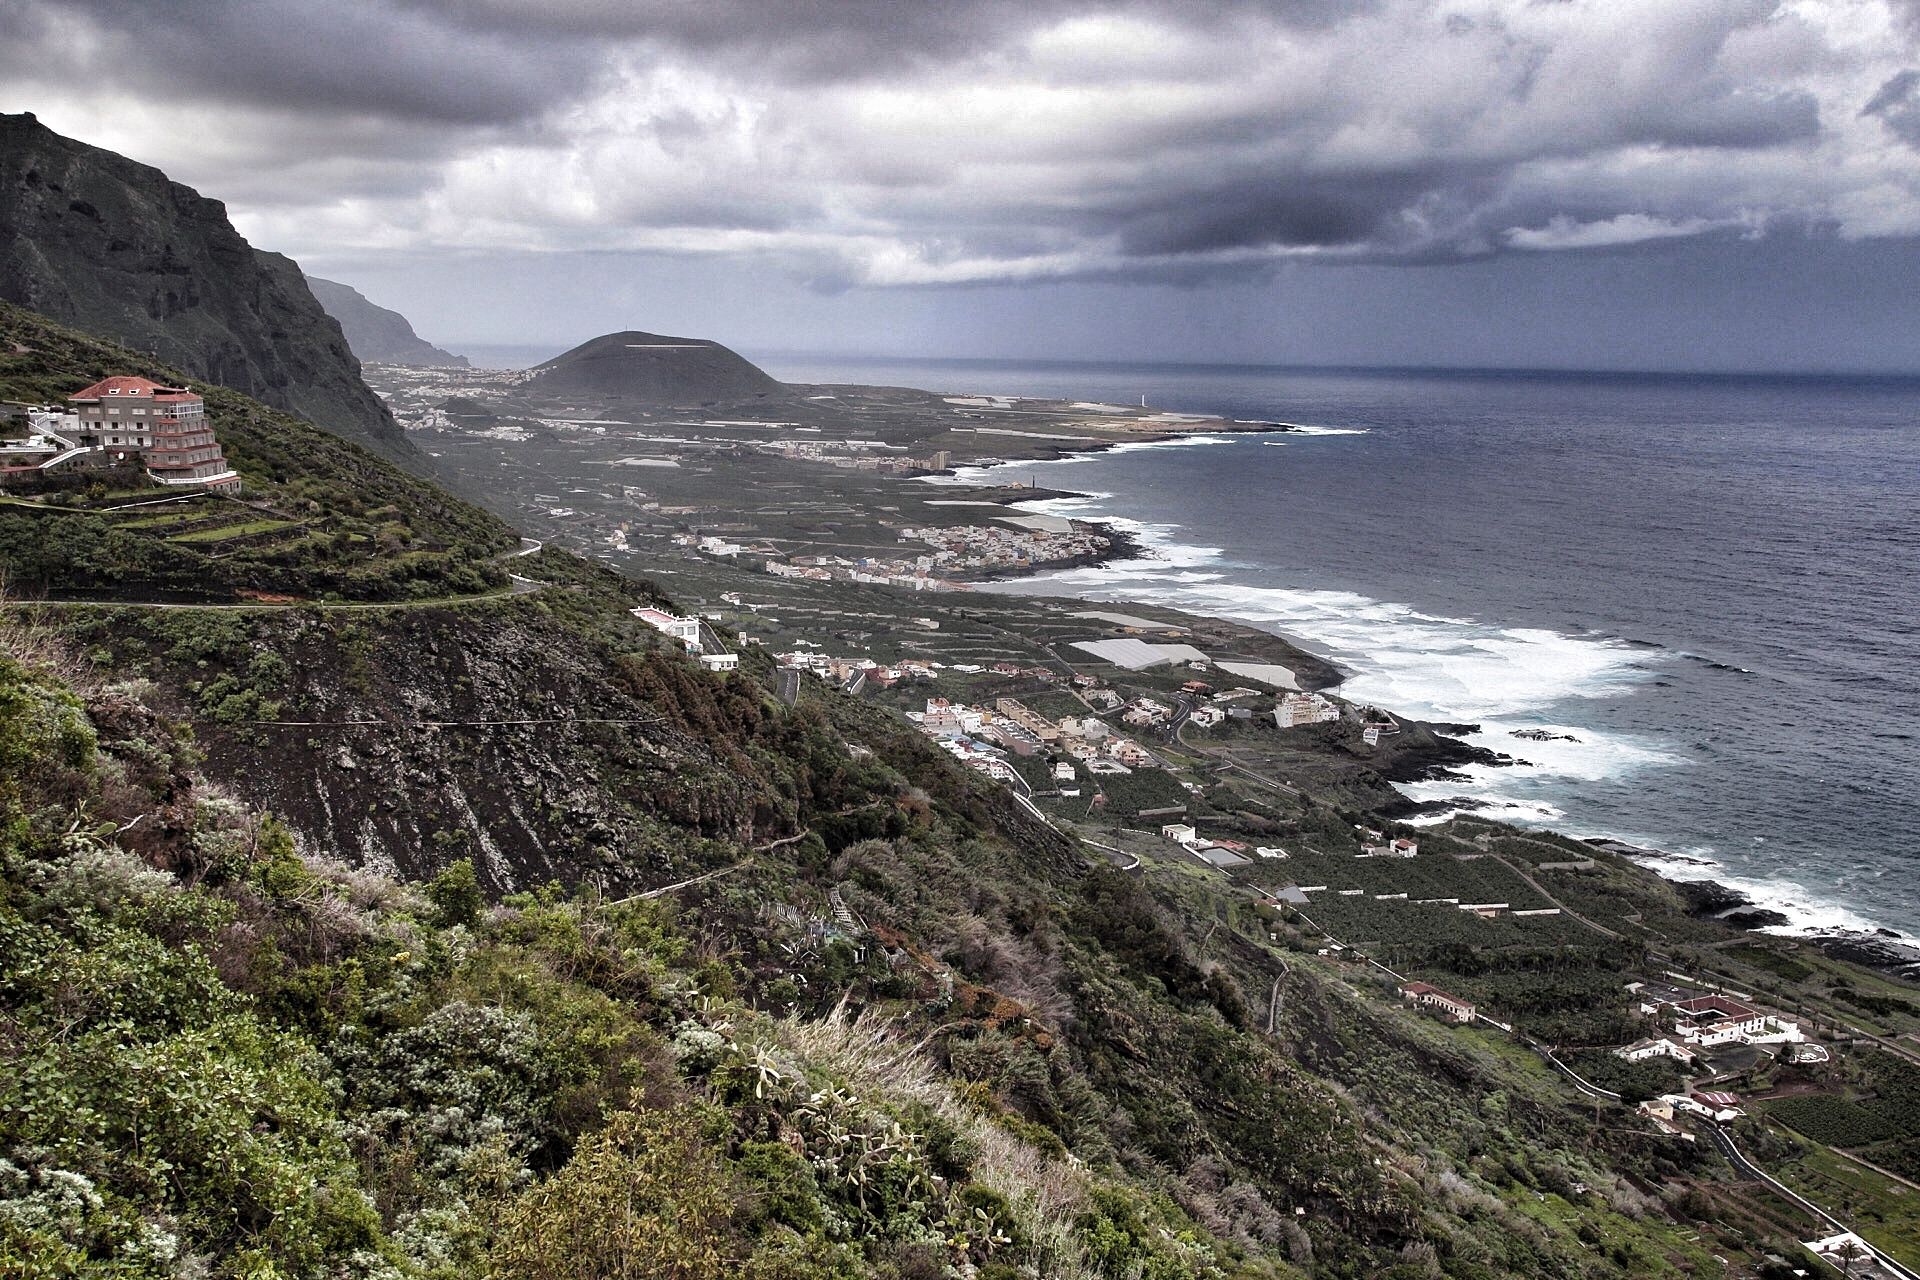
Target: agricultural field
(1833, 1121)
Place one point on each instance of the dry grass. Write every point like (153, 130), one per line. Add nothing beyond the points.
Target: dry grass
(28, 640)
(872, 1058)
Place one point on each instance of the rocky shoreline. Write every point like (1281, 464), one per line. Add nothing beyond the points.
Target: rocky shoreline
(1882, 950)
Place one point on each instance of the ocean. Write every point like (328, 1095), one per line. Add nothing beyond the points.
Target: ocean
(1709, 582)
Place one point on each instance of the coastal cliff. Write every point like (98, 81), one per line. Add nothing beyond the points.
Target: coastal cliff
(376, 333)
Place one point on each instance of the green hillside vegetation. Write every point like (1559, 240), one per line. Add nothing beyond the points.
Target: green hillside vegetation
(320, 517)
(227, 1057)
(676, 980)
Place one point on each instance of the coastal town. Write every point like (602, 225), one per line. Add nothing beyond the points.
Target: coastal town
(956, 550)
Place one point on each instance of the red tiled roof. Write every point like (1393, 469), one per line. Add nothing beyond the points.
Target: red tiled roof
(123, 385)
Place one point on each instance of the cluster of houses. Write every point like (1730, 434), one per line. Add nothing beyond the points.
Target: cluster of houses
(1715, 1037)
(860, 455)
(1089, 740)
(1714, 1032)
(961, 549)
(979, 735)
(912, 575)
(1214, 851)
(976, 547)
(117, 421)
(857, 675)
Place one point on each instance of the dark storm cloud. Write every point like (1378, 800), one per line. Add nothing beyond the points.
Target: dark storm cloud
(1740, 117)
(875, 141)
(1277, 210)
(845, 38)
(380, 60)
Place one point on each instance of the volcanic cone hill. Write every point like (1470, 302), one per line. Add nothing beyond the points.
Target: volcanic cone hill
(655, 369)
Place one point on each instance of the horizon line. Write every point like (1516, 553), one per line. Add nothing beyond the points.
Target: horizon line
(788, 353)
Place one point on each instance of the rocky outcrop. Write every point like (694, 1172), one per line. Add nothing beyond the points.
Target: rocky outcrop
(102, 243)
(376, 334)
(651, 368)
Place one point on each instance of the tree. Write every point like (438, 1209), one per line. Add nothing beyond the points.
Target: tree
(455, 894)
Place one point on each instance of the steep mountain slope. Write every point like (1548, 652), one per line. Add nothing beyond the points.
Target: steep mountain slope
(375, 333)
(654, 369)
(98, 241)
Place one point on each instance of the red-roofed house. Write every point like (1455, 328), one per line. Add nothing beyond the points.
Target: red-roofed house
(1717, 1105)
(165, 428)
(1716, 1019)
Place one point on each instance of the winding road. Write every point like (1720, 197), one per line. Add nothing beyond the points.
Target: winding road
(517, 585)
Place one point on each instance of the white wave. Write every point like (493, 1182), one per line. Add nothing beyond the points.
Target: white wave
(1522, 792)
(1807, 912)
(1127, 446)
(967, 475)
(1160, 542)
(1177, 442)
(1298, 430)
(1425, 665)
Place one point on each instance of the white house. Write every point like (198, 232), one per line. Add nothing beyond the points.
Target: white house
(1179, 833)
(685, 630)
(1303, 708)
(1428, 996)
(1660, 1047)
(720, 661)
(1716, 1019)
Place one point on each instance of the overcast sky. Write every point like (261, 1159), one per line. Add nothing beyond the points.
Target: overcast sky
(1574, 183)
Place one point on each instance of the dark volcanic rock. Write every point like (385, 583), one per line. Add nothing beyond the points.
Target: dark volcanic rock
(374, 332)
(1755, 918)
(1710, 900)
(654, 369)
(1881, 950)
(115, 248)
(1709, 897)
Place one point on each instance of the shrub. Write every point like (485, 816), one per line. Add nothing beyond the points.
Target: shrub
(644, 1199)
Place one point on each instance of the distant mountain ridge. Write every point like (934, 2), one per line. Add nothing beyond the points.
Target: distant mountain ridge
(656, 369)
(377, 333)
(95, 240)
